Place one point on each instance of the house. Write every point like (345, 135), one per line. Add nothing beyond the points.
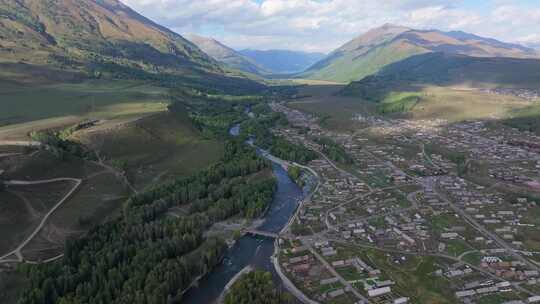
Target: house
(449, 235)
(379, 292)
(402, 300)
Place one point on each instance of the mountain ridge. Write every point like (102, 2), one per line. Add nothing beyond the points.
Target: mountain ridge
(226, 55)
(368, 53)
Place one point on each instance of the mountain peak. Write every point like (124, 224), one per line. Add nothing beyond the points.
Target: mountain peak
(225, 54)
(391, 26)
(370, 52)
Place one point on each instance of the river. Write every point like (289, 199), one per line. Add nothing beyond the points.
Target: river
(251, 250)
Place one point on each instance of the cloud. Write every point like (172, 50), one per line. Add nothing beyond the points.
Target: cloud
(324, 25)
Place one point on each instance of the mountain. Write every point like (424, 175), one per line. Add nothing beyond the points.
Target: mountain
(282, 61)
(453, 70)
(226, 55)
(379, 47)
(101, 37)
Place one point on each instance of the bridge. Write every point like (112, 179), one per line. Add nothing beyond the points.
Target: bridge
(262, 233)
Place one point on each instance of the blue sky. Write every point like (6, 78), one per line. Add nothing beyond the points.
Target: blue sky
(323, 25)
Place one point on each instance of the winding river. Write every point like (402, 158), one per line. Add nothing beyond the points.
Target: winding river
(251, 250)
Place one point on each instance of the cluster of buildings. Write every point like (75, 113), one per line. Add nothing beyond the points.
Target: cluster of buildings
(527, 94)
(406, 196)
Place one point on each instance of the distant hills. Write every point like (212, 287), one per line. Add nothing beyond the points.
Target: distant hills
(389, 44)
(226, 55)
(283, 61)
(102, 37)
(257, 61)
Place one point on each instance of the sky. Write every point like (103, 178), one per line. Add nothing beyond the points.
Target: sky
(324, 25)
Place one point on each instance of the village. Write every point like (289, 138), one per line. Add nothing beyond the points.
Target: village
(425, 206)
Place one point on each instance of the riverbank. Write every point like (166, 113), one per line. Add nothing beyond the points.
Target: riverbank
(275, 257)
(245, 270)
(255, 251)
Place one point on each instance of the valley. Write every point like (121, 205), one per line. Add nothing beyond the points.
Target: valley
(156, 164)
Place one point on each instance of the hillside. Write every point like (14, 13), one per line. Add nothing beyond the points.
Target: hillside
(370, 52)
(282, 61)
(442, 69)
(98, 38)
(226, 55)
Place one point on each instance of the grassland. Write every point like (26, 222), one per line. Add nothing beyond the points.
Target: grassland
(458, 104)
(98, 199)
(22, 209)
(354, 66)
(16, 221)
(414, 278)
(399, 102)
(44, 165)
(28, 106)
(335, 112)
(154, 148)
(136, 135)
(525, 119)
(430, 102)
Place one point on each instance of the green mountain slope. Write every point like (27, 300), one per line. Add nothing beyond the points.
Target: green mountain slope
(77, 32)
(369, 53)
(226, 55)
(101, 38)
(441, 69)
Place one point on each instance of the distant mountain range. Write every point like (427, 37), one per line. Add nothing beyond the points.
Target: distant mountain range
(227, 55)
(283, 61)
(257, 61)
(380, 47)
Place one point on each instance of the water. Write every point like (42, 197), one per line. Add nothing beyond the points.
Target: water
(235, 130)
(251, 250)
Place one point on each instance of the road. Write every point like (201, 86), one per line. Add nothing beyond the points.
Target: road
(21, 143)
(288, 284)
(17, 250)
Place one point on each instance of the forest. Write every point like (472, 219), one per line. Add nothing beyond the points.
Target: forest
(259, 130)
(334, 151)
(147, 256)
(257, 288)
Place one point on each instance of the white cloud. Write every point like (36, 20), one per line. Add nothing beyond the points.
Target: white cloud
(325, 24)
